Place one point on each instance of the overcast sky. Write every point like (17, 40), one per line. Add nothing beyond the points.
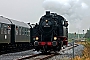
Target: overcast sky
(31, 11)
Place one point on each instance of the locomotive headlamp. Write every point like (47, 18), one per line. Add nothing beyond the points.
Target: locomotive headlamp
(37, 38)
(55, 38)
(46, 20)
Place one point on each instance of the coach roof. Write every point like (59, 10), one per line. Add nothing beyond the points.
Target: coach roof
(11, 21)
(4, 20)
(18, 23)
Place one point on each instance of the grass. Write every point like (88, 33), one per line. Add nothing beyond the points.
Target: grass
(86, 52)
(70, 40)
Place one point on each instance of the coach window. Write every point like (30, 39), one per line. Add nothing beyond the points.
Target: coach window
(23, 31)
(9, 28)
(20, 30)
(1, 28)
(16, 30)
(28, 32)
(5, 29)
(0, 25)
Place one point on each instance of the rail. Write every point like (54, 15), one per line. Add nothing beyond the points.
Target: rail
(44, 57)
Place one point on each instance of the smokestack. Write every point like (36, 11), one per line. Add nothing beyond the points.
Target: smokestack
(47, 12)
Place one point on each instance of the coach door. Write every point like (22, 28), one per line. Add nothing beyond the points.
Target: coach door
(12, 33)
(4, 38)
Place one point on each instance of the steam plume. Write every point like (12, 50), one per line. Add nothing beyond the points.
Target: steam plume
(72, 10)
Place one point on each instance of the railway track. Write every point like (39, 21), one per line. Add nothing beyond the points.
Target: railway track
(44, 57)
(28, 57)
(41, 56)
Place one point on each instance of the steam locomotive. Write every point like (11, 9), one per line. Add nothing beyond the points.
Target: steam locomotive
(51, 33)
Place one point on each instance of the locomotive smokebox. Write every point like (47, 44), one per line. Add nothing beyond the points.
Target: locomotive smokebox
(47, 13)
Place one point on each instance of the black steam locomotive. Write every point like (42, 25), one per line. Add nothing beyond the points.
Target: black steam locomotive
(51, 33)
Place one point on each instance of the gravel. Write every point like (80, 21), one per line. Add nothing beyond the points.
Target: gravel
(13, 56)
(63, 55)
(66, 55)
